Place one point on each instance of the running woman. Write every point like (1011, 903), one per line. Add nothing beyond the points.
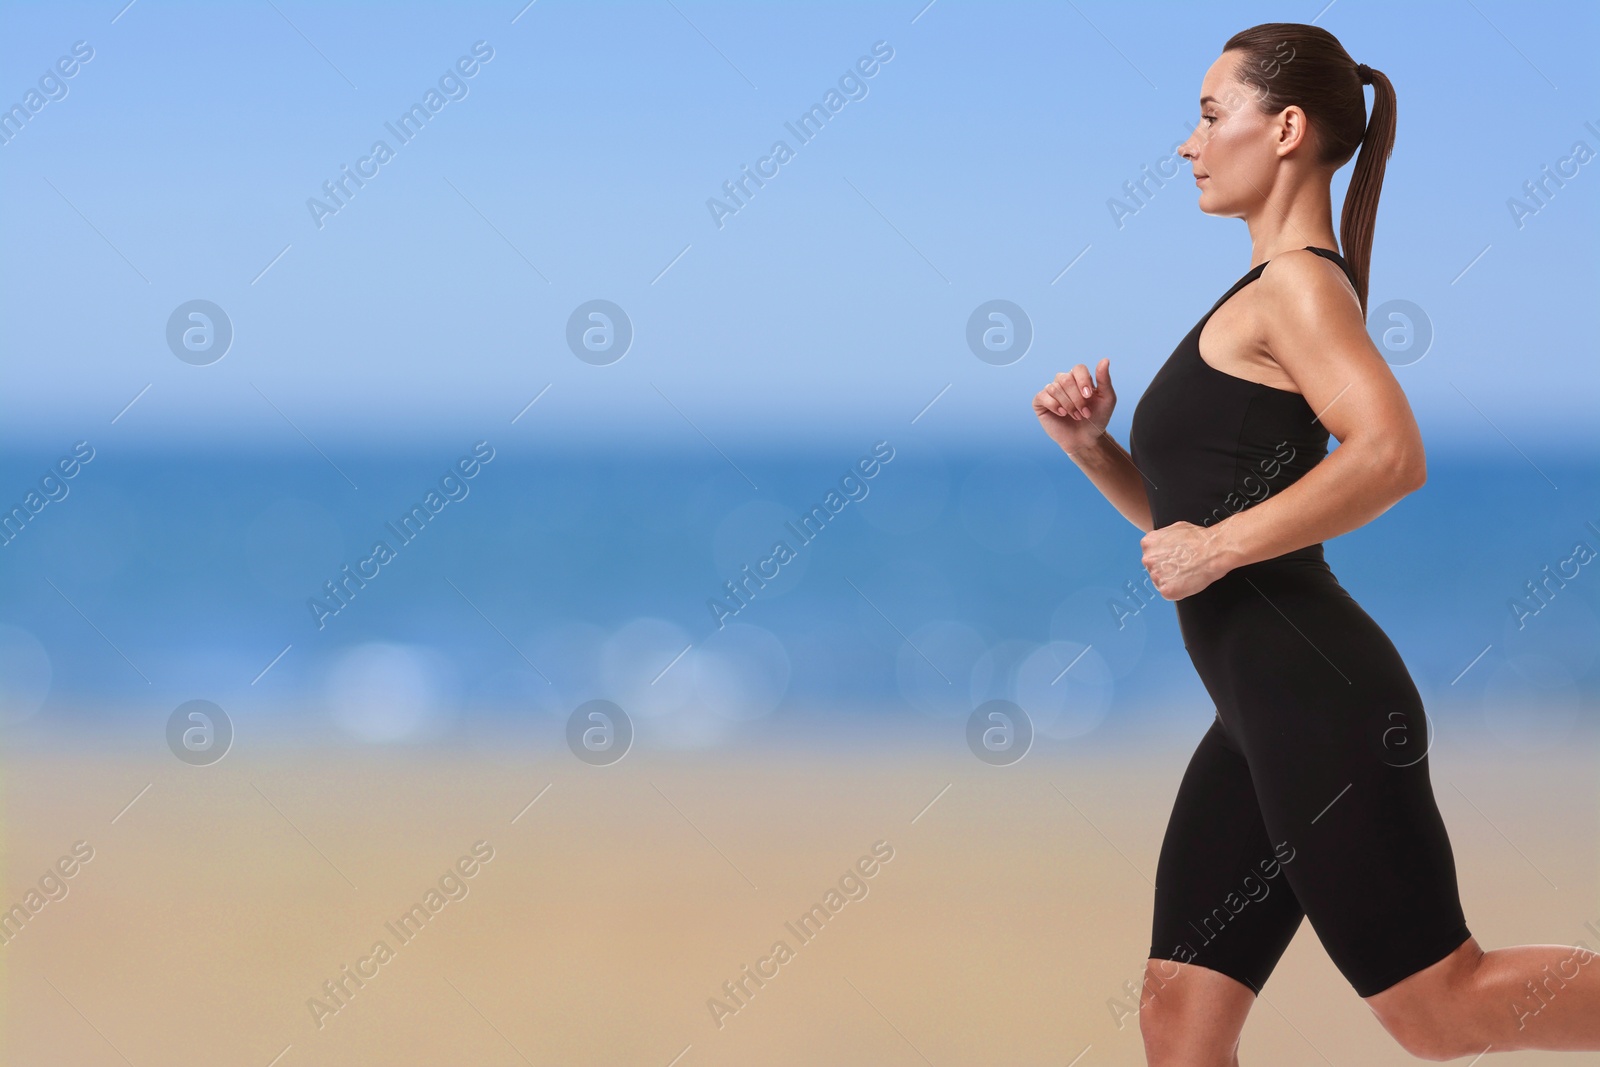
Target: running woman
(1298, 783)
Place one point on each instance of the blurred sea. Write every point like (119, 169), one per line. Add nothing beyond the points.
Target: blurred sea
(950, 578)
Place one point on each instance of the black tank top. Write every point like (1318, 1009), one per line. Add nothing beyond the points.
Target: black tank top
(1210, 444)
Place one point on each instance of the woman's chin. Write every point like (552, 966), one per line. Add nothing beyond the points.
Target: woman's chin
(1209, 205)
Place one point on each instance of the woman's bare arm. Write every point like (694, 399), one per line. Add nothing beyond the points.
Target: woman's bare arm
(1108, 465)
(1074, 410)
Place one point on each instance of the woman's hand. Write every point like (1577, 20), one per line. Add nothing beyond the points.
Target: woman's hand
(1184, 558)
(1073, 410)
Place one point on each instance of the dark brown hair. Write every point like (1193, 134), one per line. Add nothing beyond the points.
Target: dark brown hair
(1287, 63)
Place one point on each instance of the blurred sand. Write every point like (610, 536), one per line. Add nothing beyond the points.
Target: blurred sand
(1013, 912)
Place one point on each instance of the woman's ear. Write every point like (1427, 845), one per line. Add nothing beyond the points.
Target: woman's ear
(1293, 130)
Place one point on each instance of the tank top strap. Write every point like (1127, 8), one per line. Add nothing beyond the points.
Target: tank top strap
(1255, 272)
(1250, 276)
(1328, 253)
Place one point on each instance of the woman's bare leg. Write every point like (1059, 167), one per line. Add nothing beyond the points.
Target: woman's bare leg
(1191, 1016)
(1525, 997)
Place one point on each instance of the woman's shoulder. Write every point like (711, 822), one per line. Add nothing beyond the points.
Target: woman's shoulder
(1301, 273)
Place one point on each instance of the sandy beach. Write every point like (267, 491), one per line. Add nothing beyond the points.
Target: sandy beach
(533, 910)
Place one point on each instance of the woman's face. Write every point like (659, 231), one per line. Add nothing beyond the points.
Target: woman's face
(1235, 148)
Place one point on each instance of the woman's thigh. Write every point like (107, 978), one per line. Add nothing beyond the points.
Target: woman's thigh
(1221, 899)
(1334, 733)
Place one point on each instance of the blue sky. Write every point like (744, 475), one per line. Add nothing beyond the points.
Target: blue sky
(577, 163)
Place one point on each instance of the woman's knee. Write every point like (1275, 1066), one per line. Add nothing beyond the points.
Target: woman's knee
(1156, 1024)
(1434, 1014)
(1190, 1015)
(1430, 1034)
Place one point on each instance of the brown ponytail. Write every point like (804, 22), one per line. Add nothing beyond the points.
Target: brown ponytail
(1287, 63)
